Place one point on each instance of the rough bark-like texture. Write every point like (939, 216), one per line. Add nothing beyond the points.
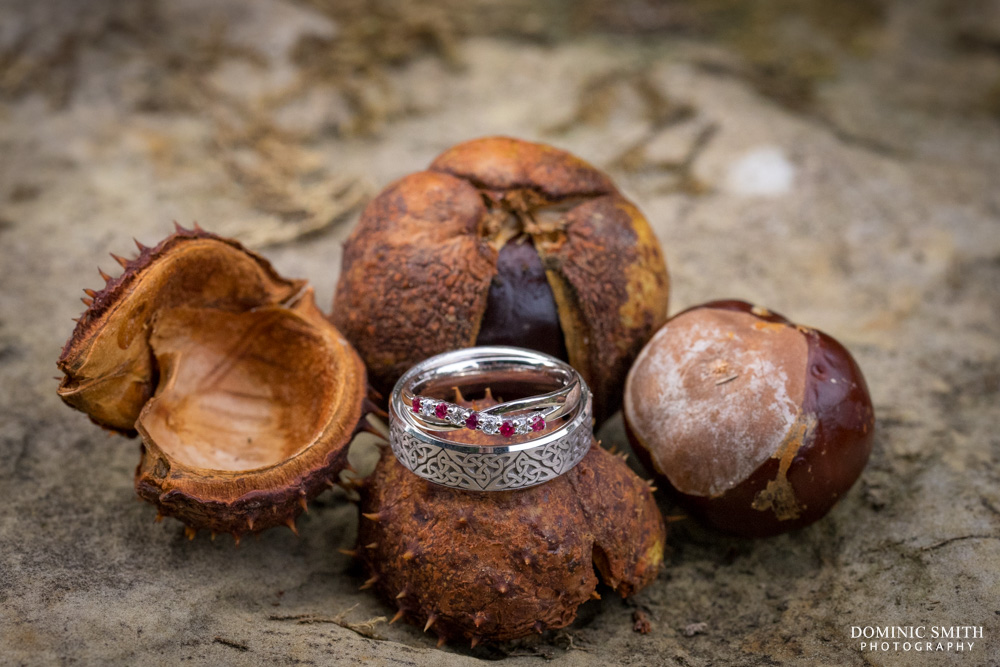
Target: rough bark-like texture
(498, 566)
(419, 265)
(835, 161)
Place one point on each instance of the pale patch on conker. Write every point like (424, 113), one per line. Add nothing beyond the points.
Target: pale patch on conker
(719, 394)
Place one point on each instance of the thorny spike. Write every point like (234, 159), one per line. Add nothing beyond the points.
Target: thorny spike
(304, 504)
(331, 483)
(87, 302)
(77, 320)
(197, 227)
(474, 642)
(371, 545)
(353, 553)
(538, 627)
(365, 426)
(178, 228)
(236, 539)
(441, 641)
(374, 516)
(370, 406)
(369, 582)
(190, 532)
(430, 622)
(399, 615)
(103, 274)
(291, 525)
(89, 292)
(594, 595)
(400, 595)
(409, 555)
(212, 536)
(121, 260)
(138, 245)
(250, 522)
(479, 619)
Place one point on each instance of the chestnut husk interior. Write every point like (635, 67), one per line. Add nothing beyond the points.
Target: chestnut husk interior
(245, 396)
(842, 434)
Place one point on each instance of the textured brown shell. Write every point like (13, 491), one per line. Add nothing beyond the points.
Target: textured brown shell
(417, 269)
(755, 424)
(245, 396)
(497, 566)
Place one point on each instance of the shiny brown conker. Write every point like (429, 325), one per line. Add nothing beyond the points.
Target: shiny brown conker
(758, 425)
(503, 241)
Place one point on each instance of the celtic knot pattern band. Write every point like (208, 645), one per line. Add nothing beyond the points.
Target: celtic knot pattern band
(429, 441)
(479, 471)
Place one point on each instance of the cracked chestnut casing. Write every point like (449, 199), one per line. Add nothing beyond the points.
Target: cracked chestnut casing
(495, 566)
(245, 396)
(503, 241)
(758, 425)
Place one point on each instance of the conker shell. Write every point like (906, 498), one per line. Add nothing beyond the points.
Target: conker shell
(245, 396)
(757, 425)
(429, 267)
(497, 566)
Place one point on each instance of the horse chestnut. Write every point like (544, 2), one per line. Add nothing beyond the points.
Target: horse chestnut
(245, 396)
(758, 425)
(490, 567)
(503, 241)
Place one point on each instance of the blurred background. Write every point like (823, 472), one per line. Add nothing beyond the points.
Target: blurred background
(835, 161)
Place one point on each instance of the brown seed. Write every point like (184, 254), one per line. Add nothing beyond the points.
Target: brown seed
(782, 412)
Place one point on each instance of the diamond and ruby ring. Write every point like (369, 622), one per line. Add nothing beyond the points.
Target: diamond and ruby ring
(542, 431)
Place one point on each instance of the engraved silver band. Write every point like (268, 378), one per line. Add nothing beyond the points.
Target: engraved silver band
(426, 432)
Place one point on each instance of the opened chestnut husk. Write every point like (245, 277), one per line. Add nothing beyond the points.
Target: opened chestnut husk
(245, 396)
(757, 425)
(503, 242)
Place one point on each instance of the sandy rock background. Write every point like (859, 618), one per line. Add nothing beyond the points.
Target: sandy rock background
(837, 162)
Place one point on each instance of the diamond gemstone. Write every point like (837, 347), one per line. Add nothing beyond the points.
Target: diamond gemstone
(489, 424)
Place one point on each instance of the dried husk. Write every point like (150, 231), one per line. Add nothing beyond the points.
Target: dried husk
(417, 269)
(490, 567)
(245, 396)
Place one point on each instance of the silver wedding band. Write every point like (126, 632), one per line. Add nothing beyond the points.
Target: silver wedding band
(541, 433)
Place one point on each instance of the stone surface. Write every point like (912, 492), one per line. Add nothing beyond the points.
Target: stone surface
(834, 161)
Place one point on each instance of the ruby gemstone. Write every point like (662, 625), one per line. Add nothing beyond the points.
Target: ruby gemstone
(506, 429)
(441, 410)
(538, 424)
(416, 404)
(472, 421)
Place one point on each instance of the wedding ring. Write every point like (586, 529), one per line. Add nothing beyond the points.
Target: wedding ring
(544, 430)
